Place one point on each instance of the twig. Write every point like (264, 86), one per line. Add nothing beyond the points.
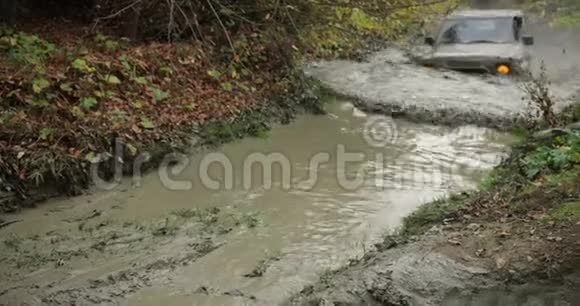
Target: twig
(188, 22)
(121, 11)
(292, 22)
(242, 18)
(222, 25)
(116, 14)
(5, 224)
(196, 21)
(171, 22)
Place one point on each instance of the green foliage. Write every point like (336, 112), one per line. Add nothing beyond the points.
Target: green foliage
(252, 123)
(88, 103)
(112, 79)
(563, 153)
(46, 133)
(339, 30)
(38, 85)
(563, 178)
(107, 43)
(147, 123)
(214, 74)
(432, 213)
(160, 95)
(140, 80)
(66, 87)
(498, 176)
(362, 22)
(24, 48)
(566, 211)
(572, 19)
(82, 66)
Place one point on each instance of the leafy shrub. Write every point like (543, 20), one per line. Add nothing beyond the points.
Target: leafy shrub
(553, 158)
(24, 48)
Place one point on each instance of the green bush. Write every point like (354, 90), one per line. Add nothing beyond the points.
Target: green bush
(24, 48)
(563, 153)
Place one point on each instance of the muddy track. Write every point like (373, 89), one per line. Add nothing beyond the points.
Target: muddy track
(389, 82)
(412, 274)
(95, 260)
(429, 271)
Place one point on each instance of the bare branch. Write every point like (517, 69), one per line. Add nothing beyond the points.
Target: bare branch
(171, 23)
(121, 11)
(222, 25)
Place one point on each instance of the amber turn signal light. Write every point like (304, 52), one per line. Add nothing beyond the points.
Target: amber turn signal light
(503, 69)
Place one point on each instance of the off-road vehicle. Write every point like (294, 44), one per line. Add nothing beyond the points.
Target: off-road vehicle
(492, 41)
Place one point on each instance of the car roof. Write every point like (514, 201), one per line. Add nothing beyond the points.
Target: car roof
(484, 14)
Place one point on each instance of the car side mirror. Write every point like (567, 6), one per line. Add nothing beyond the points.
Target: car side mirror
(429, 41)
(528, 40)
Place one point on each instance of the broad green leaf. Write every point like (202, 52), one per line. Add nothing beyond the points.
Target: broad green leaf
(77, 112)
(81, 65)
(166, 70)
(214, 74)
(112, 79)
(124, 59)
(39, 85)
(46, 133)
(147, 123)
(227, 86)
(132, 149)
(137, 104)
(111, 45)
(66, 87)
(40, 102)
(88, 103)
(92, 158)
(159, 95)
(140, 80)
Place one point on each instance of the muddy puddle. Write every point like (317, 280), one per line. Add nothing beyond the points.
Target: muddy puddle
(166, 244)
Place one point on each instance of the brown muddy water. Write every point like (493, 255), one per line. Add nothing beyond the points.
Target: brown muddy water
(150, 245)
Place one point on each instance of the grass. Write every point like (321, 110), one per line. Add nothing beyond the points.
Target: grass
(432, 213)
(566, 212)
(567, 177)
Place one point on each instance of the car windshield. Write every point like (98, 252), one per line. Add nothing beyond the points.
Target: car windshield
(465, 31)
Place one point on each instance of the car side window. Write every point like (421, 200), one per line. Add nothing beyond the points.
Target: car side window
(518, 25)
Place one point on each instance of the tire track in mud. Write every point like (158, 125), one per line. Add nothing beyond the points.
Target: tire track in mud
(101, 262)
(124, 283)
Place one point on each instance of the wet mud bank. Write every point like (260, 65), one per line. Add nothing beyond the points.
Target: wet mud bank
(429, 271)
(250, 122)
